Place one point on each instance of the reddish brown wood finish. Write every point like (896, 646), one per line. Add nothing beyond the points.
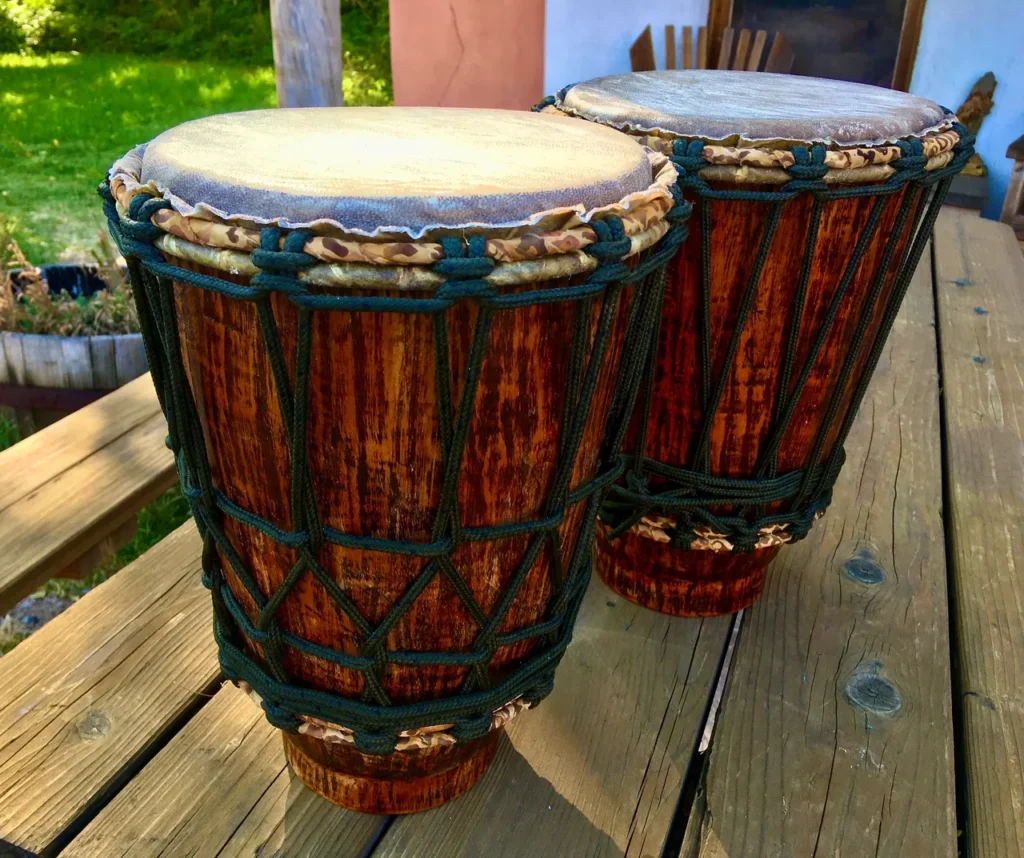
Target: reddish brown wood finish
(404, 782)
(704, 583)
(374, 457)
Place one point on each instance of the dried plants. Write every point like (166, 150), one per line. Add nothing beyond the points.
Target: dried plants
(27, 305)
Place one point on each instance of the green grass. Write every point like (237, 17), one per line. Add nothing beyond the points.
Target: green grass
(67, 117)
(154, 523)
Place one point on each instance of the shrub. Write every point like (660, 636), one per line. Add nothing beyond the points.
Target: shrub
(26, 24)
(32, 309)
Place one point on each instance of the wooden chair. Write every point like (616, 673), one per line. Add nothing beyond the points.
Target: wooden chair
(748, 55)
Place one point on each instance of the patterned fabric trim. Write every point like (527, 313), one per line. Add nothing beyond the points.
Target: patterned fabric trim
(846, 166)
(551, 233)
(656, 527)
(936, 146)
(409, 740)
(405, 278)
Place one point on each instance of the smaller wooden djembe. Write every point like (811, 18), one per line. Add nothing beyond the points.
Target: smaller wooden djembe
(389, 344)
(813, 200)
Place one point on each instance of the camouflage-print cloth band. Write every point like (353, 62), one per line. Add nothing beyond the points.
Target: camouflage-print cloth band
(360, 275)
(871, 174)
(409, 740)
(552, 234)
(842, 163)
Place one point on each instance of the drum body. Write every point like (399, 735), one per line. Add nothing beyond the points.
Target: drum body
(396, 467)
(808, 224)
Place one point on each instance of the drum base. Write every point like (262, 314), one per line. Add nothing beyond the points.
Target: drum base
(677, 582)
(403, 782)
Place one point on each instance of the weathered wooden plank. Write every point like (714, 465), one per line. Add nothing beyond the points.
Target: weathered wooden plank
(757, 50)
(221, 787)
(95, 470)
(687, 61)
(980, 285)
(14, 355)
(77, 358)
(88, 696)
(42, 457)
(596, 770)
(780, 56)
(739, 60)
(104, 369)
(725, 52)
(44, 365)
(702, 47)
(641, 52)
(835, 734)
(670, 46)
(290, 820)
(129, 358)
(307, 52)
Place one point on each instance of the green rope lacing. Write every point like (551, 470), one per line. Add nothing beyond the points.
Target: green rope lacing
(375, 719)
(689, 493)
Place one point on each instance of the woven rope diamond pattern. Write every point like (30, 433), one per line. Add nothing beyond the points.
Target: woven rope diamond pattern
(688, 500)
(375, 719)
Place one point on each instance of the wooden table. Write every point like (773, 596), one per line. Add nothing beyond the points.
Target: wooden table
(870, 703)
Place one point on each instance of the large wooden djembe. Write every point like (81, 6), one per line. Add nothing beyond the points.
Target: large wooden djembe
(389, 344)
(813, 201)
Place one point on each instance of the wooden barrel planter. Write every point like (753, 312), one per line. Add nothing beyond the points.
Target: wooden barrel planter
(44, 377)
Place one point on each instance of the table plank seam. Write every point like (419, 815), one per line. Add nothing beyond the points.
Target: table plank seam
(956, 678)
(696, 766)
(105, 794)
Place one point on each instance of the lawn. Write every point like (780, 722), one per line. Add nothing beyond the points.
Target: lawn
(67, 117)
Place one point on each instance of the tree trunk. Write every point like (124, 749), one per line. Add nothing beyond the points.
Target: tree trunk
(307, 52)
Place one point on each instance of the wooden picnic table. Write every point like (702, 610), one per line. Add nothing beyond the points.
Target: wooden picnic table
(871, 703)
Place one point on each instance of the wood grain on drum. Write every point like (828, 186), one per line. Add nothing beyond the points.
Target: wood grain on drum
(374, 456)
(700, 583)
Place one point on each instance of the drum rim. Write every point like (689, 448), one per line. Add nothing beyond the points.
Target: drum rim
(522, 255)
(766, 163)
(738, 137)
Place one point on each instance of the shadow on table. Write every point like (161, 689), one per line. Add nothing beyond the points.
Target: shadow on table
(512, 811)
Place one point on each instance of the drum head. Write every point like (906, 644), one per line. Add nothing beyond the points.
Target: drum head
(370, 170)
(752, 107)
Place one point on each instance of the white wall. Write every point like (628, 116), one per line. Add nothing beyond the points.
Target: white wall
(591, 38)
(960, 41)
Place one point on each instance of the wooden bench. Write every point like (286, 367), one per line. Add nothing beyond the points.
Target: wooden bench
(69, 493)
(838, 716)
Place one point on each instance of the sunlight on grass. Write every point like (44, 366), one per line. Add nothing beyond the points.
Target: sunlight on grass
(98, 107)
(121, 75)
(217, 92)
(34, 61)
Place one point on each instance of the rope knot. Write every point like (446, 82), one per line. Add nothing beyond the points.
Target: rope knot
(472, 727)
(370, 742)
(464, 260)
(688, 155)
(810, 164)
(612, 244)
(289, 260)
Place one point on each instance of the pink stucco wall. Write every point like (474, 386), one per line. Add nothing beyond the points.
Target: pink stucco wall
(468, 53)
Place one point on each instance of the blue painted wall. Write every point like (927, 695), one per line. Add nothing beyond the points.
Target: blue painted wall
(592, 39)
(959, 43)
